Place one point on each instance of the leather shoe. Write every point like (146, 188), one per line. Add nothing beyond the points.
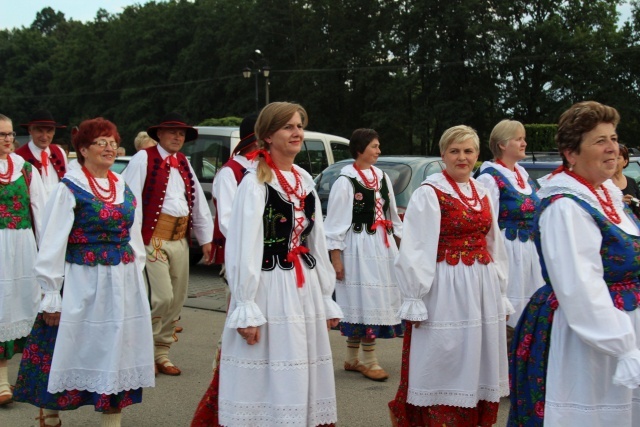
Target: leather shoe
(168, 368)
(178, 329)
(6, 397)
(376, 374)
(357, 367)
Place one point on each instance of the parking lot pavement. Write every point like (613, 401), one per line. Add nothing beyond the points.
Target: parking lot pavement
(172, 402)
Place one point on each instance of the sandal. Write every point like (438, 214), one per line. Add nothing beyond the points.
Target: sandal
(43, 417)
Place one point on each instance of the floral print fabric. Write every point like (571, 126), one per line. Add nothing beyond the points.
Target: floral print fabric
(14, 203)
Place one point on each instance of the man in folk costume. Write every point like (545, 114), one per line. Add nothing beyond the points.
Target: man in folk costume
(172, 203)
(226, 182)
(48, 158)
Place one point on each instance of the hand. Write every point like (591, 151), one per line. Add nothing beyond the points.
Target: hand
(336, 261)
(51, 319)
(207, 254)
(415, 324)
(251, 334)
(332, 323)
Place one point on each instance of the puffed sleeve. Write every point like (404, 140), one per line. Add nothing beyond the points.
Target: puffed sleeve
(224, 190)
(135, 175)
(324, 268)
(339, 213)
(243, 253)
(50, 262)
(489, 183)
(201, 214)
(498, 251)
(393, 209)
(571, 238)
(37, 198)
(136, 241)
(417, 255)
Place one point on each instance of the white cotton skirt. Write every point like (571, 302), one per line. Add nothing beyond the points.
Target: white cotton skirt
(286, 379)
(369, 295)
(525, 275)
(580, 390)
(104, 342)
(459, 355)
(19, 291)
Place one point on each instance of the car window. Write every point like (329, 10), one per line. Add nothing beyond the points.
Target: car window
(312, 157)
(119, 166)
(340, 151)
(632, 171)
(206, 154)
(433, 167)
(399, 174)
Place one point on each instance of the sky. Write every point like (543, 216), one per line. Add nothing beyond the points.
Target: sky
(21, 13)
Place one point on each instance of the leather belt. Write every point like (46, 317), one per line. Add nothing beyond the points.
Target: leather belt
(170, 227)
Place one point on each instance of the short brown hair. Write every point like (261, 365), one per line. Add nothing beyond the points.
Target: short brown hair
(581, 118)
(360, 139)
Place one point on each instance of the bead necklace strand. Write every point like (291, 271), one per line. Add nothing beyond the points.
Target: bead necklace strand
(98, 191)
(290, 191)
(370, 184)
(5, 178)
(472, 201)
(519, 179)
(607, 205)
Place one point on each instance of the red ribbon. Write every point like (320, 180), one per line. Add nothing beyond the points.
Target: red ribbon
(385, 224)
(260, 153)
(294, 257)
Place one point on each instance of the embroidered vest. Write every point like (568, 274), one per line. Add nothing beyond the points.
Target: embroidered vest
(155, 187)
(278, 219)
(15, 202)
(463, 231)
(57, 159)
(218, 238)
(100, 232)
(517, 211)
(620, 256)
(363, 214)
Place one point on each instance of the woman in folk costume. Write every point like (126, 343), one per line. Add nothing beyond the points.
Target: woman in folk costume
(575, 357)
(21, 203)
(452, 272)
(361, 220)
(513, 195)
(95, 345)
(276, 366)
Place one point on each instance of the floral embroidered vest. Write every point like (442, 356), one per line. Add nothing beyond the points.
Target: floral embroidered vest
(15, 202)
(517, 210)
(278, 227)
(100, 232)
(620, 256)
(463, 233)
(363, 214)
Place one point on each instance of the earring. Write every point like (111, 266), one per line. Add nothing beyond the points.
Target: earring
(570, 168)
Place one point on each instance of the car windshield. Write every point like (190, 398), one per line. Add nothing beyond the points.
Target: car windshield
(119, 166)
(399, 173)
(632, 171)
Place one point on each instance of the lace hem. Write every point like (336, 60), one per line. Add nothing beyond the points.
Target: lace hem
(283, 320)
(276, 365)
(463, 324)
(457, 398)
(244, 315)
(588, 409)
(413, 309)
(370, 285)
(101, 382)
(628, 370)
(51, 302)
(16, 330)
(320, 412)
(382, 316)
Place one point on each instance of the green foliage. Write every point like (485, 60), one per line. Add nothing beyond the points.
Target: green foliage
(540, 137)
(408, 68)
(224, 121)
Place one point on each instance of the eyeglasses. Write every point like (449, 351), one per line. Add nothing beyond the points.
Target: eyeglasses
(103, 143)
(8, 136)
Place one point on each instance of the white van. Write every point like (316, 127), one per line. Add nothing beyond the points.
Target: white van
(215, 143)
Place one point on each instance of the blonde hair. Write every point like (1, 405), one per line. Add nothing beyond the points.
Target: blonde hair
(271, 119)
(457, 134)
(501, 134)
(4, 118)
(141, 138)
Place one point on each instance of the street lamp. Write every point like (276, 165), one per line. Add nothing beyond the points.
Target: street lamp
(255, 68)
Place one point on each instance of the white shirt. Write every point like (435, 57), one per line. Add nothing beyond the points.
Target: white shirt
(50, 177)
(224, 191)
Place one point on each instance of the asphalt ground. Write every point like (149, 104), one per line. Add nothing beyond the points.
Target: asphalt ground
(172, 402)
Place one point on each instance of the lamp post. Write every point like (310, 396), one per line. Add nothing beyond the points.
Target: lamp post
(255, 68)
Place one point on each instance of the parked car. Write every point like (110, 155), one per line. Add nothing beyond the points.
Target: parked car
(406, 174)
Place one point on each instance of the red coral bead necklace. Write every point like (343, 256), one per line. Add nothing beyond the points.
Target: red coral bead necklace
(371, 184)
(288, 189)
(5, 178)
(519, 179)
(106, 195)
(606, 203)
(472, 201)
